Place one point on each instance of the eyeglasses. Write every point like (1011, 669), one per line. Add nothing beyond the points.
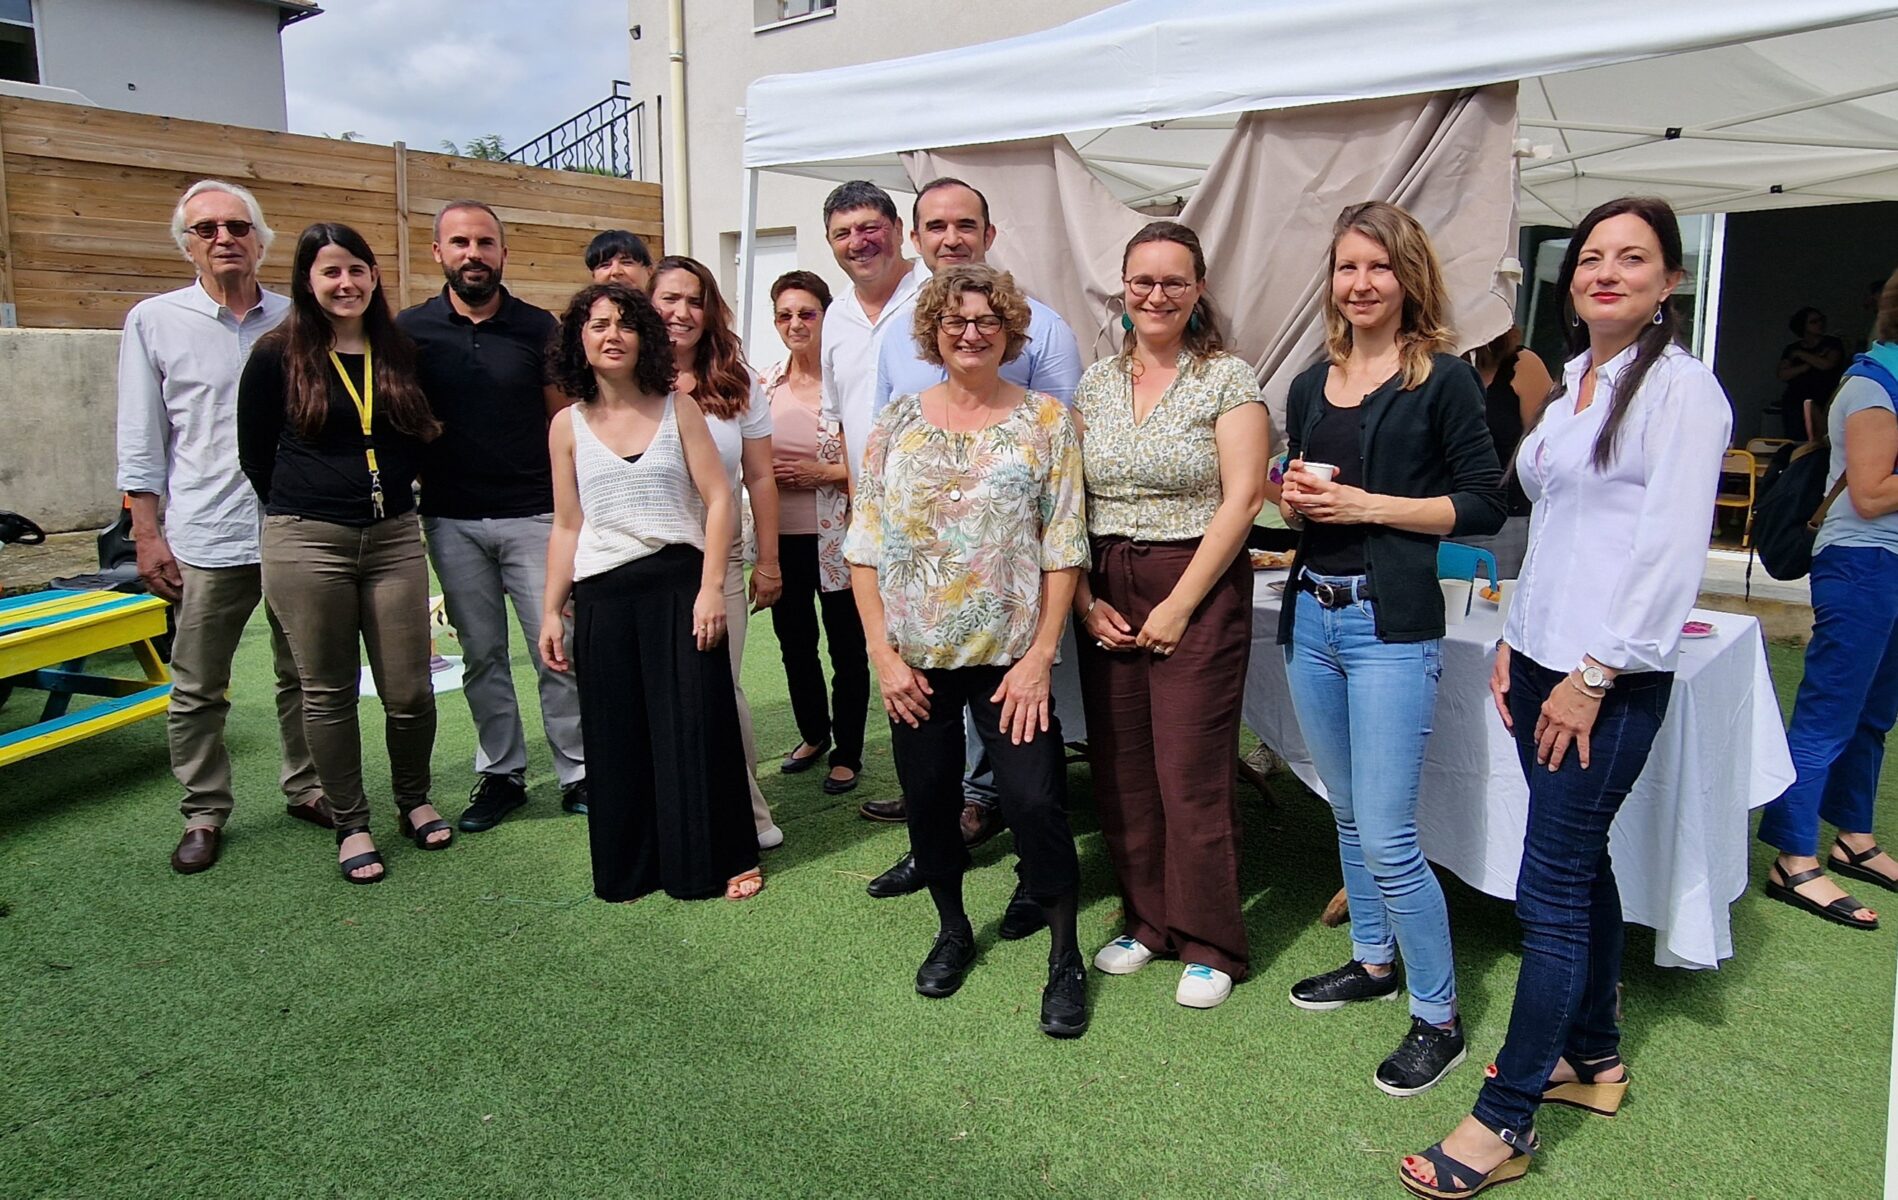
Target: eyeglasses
(956, 326)
(807, 315)
(208, 229)
(1172, 287)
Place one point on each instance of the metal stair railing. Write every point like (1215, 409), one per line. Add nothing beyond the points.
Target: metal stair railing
(607, 139)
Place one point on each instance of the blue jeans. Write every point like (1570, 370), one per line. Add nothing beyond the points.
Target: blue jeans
(1365, 706)
(1566, 897)
(1847, 700)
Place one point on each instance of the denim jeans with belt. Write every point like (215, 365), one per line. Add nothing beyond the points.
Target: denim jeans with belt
(1847, 699)
(1364, 706)
(1566, 897)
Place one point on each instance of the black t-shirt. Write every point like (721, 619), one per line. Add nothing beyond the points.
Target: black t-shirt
(1338, 439)
(1502, 412)
(1812, 383)
(325, 478)
(484, 382)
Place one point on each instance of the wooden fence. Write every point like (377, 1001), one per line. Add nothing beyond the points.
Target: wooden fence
(86, 196)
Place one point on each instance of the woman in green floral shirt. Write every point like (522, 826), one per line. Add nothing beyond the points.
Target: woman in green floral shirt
(1177, 445)
(966, 540)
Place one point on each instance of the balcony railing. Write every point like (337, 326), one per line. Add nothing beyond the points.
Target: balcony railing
(606, 139)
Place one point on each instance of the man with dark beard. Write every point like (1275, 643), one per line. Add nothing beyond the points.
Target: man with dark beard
(488, 501)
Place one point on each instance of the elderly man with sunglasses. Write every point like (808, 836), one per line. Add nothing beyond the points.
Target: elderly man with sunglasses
(195, 518)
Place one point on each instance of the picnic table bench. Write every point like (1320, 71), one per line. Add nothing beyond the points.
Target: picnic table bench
(45, 639)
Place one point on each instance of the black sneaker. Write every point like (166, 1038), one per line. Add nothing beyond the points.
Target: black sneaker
(493, 797)
(1064, 1000)
(1346, 985)
(1421, 1060)
(1022, 917)
(941, 973)
(573, 798)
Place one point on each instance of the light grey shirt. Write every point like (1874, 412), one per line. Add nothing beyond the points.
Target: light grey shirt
(179, 362)
(1843, 526)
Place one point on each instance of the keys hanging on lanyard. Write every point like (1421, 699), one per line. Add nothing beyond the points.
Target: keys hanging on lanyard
(365, 402)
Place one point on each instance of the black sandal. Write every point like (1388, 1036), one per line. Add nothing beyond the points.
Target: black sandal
(1854, 865)
(1839, 912)
(1603, 1099)
(1456, 1180)
(369, 858)
(405, 825)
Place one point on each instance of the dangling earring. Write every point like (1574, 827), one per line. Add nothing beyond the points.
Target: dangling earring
(1127, 322)
(1658, 318)
(1192, 321)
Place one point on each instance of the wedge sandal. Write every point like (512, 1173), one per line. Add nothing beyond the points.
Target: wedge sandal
(1839, 912)
(1456, 1180)
(1603, 1099)
(1854, 866)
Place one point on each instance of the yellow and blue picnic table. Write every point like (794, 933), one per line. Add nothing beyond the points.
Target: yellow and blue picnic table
(45, 639)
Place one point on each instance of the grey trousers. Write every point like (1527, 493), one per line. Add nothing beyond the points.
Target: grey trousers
(340, 590)
(484, 564)
(217, 604)
(737, 621)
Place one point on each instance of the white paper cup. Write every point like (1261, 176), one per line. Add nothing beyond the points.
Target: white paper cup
(1456, 600)
(1508, 589)
(1324, 471)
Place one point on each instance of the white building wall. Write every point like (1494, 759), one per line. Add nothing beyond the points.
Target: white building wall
(205, 60)
(725, 52)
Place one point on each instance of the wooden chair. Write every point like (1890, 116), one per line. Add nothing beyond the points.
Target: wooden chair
(1738, 465)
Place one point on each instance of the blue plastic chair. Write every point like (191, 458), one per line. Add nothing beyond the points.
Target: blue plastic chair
(1457, 561)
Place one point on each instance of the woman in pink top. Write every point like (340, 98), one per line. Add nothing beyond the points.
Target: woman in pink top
(813, 510)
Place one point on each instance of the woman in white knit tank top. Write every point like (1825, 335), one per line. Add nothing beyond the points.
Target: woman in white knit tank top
(643, 522)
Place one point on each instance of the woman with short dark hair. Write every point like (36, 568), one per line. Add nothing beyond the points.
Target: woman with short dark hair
(642, 521)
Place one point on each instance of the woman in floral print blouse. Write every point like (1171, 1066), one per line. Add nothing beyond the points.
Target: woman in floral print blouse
(1177, 445)
(967, 536)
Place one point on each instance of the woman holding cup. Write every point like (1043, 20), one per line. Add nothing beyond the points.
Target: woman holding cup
(1390, 454)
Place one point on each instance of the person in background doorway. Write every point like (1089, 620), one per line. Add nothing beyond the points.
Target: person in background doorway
(1809, 367)
(1515, 384)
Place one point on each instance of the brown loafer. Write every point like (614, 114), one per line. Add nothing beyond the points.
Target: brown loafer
(980, 822)
(884, 810)
(197, 851)
(316, 811)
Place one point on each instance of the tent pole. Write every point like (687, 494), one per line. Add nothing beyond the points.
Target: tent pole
(747, 247)
(1707, 295)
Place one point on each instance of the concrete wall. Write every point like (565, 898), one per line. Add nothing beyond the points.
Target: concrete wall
(1778, 262)
(725, 51)
(57, 421)
(209, 60)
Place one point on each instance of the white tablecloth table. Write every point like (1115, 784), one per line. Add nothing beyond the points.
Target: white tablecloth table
(1680, 842)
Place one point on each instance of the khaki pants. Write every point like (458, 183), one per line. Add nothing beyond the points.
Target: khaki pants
(737, 616)
(335, 588)
(217, 604)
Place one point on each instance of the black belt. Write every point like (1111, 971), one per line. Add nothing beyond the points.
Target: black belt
(1334, 595)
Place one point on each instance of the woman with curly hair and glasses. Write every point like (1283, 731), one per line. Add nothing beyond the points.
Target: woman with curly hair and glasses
(643, 524)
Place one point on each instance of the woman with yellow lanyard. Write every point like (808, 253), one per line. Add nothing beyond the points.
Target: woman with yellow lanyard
(330, 426)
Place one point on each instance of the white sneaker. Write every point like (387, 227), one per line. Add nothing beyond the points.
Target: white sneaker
(1203, 986)
(771, 838)
(1122, 956)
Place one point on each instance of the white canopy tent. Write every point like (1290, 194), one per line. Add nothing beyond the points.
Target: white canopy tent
(1718, 105)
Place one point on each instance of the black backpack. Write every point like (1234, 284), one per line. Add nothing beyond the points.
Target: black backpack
(1789, 513)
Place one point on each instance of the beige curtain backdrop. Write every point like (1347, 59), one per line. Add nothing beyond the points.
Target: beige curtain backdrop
(1263, 212)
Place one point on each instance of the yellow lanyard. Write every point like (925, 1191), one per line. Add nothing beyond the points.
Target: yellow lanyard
(365, 402)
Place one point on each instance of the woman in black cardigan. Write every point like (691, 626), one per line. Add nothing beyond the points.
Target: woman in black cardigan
(1389, 454)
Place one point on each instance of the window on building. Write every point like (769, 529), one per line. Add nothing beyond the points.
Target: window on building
(19, 50)
(767, 13)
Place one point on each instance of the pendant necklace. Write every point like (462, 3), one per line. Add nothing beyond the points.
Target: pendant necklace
(962, 458)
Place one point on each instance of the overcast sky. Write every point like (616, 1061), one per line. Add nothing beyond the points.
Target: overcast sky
(419, 71)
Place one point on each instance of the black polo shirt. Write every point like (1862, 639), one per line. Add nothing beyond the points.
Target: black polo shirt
(485, 384)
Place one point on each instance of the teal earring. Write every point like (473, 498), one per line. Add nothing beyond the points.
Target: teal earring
(1192, 321)
(1127, 322)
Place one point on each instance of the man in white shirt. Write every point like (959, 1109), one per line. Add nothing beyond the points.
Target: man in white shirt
(179, 363)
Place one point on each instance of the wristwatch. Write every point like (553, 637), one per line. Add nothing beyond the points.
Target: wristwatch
(1593, 676)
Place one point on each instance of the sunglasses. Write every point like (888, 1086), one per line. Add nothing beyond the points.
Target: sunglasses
(807, 315)
(208, 229)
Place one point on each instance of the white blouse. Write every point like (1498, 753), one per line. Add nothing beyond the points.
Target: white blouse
(1616, 556)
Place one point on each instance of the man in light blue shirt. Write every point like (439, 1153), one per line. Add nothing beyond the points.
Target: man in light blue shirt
(950, 227)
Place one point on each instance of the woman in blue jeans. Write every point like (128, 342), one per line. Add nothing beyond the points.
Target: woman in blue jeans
(1849, 695)
(1390, 453)
(1622, 466)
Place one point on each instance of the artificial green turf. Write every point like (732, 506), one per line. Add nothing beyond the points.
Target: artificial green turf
(478, 1025)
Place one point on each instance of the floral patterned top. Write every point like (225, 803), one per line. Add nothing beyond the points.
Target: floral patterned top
(833, 503)
(960, 527)
(1158, 481)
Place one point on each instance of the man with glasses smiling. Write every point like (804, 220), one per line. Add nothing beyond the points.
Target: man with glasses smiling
(951, 228)
(179, 362)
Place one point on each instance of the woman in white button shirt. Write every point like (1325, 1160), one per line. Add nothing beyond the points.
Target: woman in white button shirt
(1622, 466)
(712, 371)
